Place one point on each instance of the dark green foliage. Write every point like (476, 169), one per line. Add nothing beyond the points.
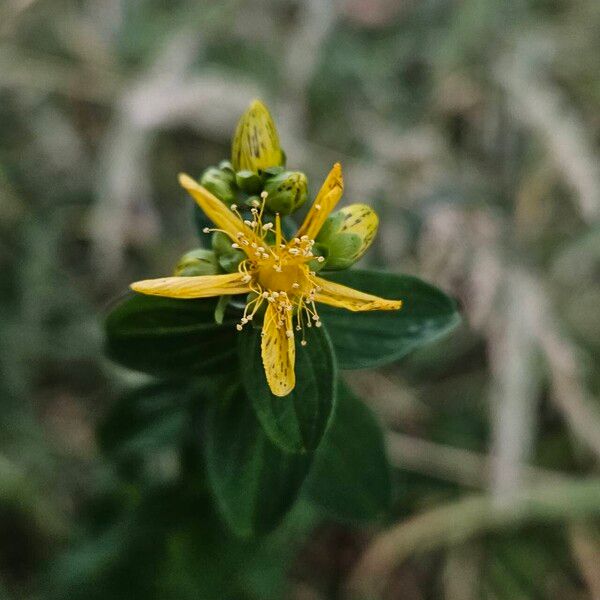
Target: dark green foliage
(295, 422)
(350, 478)
(168, 337)
(369, 339)
(254, 482)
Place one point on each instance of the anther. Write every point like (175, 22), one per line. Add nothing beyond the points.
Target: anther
(238, 327)
(233, 207)
(234, 245)
(206, 230)
(303, 343)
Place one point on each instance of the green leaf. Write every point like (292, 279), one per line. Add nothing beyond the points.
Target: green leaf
(350, 477)
(167, 337)
(144, 419)
(254, 482)
(296, 422)
(371, 339)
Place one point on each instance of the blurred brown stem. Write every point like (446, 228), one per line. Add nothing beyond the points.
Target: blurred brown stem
(457, 522)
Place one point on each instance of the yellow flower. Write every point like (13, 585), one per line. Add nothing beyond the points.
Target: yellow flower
(276, 273)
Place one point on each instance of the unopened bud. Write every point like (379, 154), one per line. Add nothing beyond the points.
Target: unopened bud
(228, 257)
(286, 192)
(347, 234)
(197, 262)
(219, 182)
(256, 142)
(248, 181)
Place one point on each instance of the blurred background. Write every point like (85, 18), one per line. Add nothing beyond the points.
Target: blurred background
(473, 126)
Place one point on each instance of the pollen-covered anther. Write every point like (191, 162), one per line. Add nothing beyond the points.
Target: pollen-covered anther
(303, 342)
(295, 285)
(268, 226)
(233, 207)
(235, 245)
(321, 259)
(206, 230)
(289, 334)
(246, 278)
(238, 327)
(317, 207)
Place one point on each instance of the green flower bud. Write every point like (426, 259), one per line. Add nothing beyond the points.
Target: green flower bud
(248, 181)
(346, 235)
(228, 257)
(225, 165)
(197, 262)
(256, 142)
(286, 192)
(220, 182)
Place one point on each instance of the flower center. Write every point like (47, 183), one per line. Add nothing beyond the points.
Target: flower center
(277, 271)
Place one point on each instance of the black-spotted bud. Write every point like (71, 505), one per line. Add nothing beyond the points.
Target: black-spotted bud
(347, 234)
(197, 262)
(228, 256)
(286, 192)
(256, 142)
(219, 182)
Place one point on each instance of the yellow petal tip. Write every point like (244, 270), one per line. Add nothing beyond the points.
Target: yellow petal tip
(186, 181)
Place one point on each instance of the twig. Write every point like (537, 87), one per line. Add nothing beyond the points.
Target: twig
(457, 522)
(461, 466)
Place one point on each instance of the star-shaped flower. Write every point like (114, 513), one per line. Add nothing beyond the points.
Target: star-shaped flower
(276, 273)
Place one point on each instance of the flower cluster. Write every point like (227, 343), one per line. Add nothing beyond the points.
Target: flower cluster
(247, 199)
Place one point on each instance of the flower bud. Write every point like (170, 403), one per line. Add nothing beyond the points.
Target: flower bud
(248, 181)
(228, 257)
(197, 262)
(256, 142)
(219, 182)
(347, 234)
(286, 192)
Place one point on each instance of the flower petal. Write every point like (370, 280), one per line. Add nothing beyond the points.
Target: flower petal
(216, 210)
(201, 286)
(346, 297)
(278, 351)
(327, 198)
